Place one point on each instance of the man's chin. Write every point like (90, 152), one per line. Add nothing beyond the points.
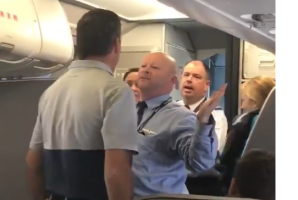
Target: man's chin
(144, 87)
(187, 94)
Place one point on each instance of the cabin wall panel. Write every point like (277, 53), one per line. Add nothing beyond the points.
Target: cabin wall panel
(257, 62)
(208, 42)
(145, 35)
(179, 46)
(18, 105)
(178, 37)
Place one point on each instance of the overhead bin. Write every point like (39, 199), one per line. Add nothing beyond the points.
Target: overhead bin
(35, 38)
(254, 23)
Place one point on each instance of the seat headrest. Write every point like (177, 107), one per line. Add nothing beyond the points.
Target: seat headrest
(262, 135)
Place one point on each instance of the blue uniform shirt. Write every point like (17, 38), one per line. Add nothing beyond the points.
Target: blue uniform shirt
(177, 141)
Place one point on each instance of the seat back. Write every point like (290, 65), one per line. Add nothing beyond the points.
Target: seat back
(187, 197)
(262, 135)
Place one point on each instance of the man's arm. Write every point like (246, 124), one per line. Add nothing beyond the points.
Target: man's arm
(197, 145)
(195, 142)
(34, 162)
(120, 142)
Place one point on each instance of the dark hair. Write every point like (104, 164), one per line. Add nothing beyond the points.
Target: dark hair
(207, 69)
(255, 175)
(131, 70)
(97, 31)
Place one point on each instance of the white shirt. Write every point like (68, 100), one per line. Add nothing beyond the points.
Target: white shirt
(221, 124)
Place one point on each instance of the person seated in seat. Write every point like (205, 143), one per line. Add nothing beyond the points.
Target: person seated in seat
(254, 176)
(130, 77)
(254, 93)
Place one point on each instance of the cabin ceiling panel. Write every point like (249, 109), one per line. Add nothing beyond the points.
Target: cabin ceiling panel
(74, 13)
(240, 7)
(128, 8)
(187, 25)
(134, 10)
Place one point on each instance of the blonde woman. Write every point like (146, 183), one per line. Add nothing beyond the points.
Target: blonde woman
(254, 93)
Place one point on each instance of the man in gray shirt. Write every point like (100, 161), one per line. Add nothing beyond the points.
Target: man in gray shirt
(171, 137)
(85, 133)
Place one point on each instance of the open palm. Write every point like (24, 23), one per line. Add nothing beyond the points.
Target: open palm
(209, 105)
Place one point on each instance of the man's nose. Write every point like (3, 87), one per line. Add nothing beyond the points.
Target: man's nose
(189, 78)
(145, 70)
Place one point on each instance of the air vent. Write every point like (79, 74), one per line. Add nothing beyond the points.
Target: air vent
(259, 17)
(263, 17)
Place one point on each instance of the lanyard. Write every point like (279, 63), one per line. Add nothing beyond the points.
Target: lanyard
(158, 108)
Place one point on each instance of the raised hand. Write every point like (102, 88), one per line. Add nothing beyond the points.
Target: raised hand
(209, 105)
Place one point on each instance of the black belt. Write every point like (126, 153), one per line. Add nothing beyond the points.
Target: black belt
(58, 197)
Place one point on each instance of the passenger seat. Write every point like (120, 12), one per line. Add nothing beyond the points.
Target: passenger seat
(262, 135)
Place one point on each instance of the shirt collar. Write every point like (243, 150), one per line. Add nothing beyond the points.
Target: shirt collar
(155, 102)
(195, 105)
(90, 64)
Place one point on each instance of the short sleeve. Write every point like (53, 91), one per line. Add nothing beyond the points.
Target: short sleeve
(36, 142)
(119, 129)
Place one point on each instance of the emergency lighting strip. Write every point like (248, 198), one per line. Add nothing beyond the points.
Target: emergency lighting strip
(8, 16)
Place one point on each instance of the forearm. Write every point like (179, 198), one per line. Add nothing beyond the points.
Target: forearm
(201, 152)
(36, 184)
(120, 184)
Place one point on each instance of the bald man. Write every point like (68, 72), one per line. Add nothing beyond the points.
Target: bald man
(194, 84)
(171, 137)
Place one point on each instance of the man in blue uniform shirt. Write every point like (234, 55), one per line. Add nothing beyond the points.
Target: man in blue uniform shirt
(171, 138)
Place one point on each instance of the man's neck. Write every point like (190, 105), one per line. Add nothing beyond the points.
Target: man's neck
(146, 96)
(192, 101)
(104, 60)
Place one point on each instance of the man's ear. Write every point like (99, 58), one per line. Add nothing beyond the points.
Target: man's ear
(175, 82)
(233, 189)
(207, 85)
(175, 79)
(117, 46)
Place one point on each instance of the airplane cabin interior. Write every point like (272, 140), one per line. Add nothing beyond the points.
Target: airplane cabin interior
(236, 39)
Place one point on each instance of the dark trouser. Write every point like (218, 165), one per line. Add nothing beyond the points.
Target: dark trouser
(205, 185)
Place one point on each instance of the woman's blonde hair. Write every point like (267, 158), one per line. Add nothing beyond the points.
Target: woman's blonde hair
(258, 88)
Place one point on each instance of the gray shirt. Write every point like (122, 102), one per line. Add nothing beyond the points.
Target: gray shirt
(85, 112)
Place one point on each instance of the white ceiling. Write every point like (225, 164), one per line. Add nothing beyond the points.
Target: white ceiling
(74, 13)
(75, 10)
(135, 10)
(225, 15)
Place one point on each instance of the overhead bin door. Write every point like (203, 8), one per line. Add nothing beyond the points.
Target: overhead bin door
(57, 41)
(19, 30)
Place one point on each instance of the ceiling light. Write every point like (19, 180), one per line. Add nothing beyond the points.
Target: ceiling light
(247, 16)
(272, 31)
(88, 3)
